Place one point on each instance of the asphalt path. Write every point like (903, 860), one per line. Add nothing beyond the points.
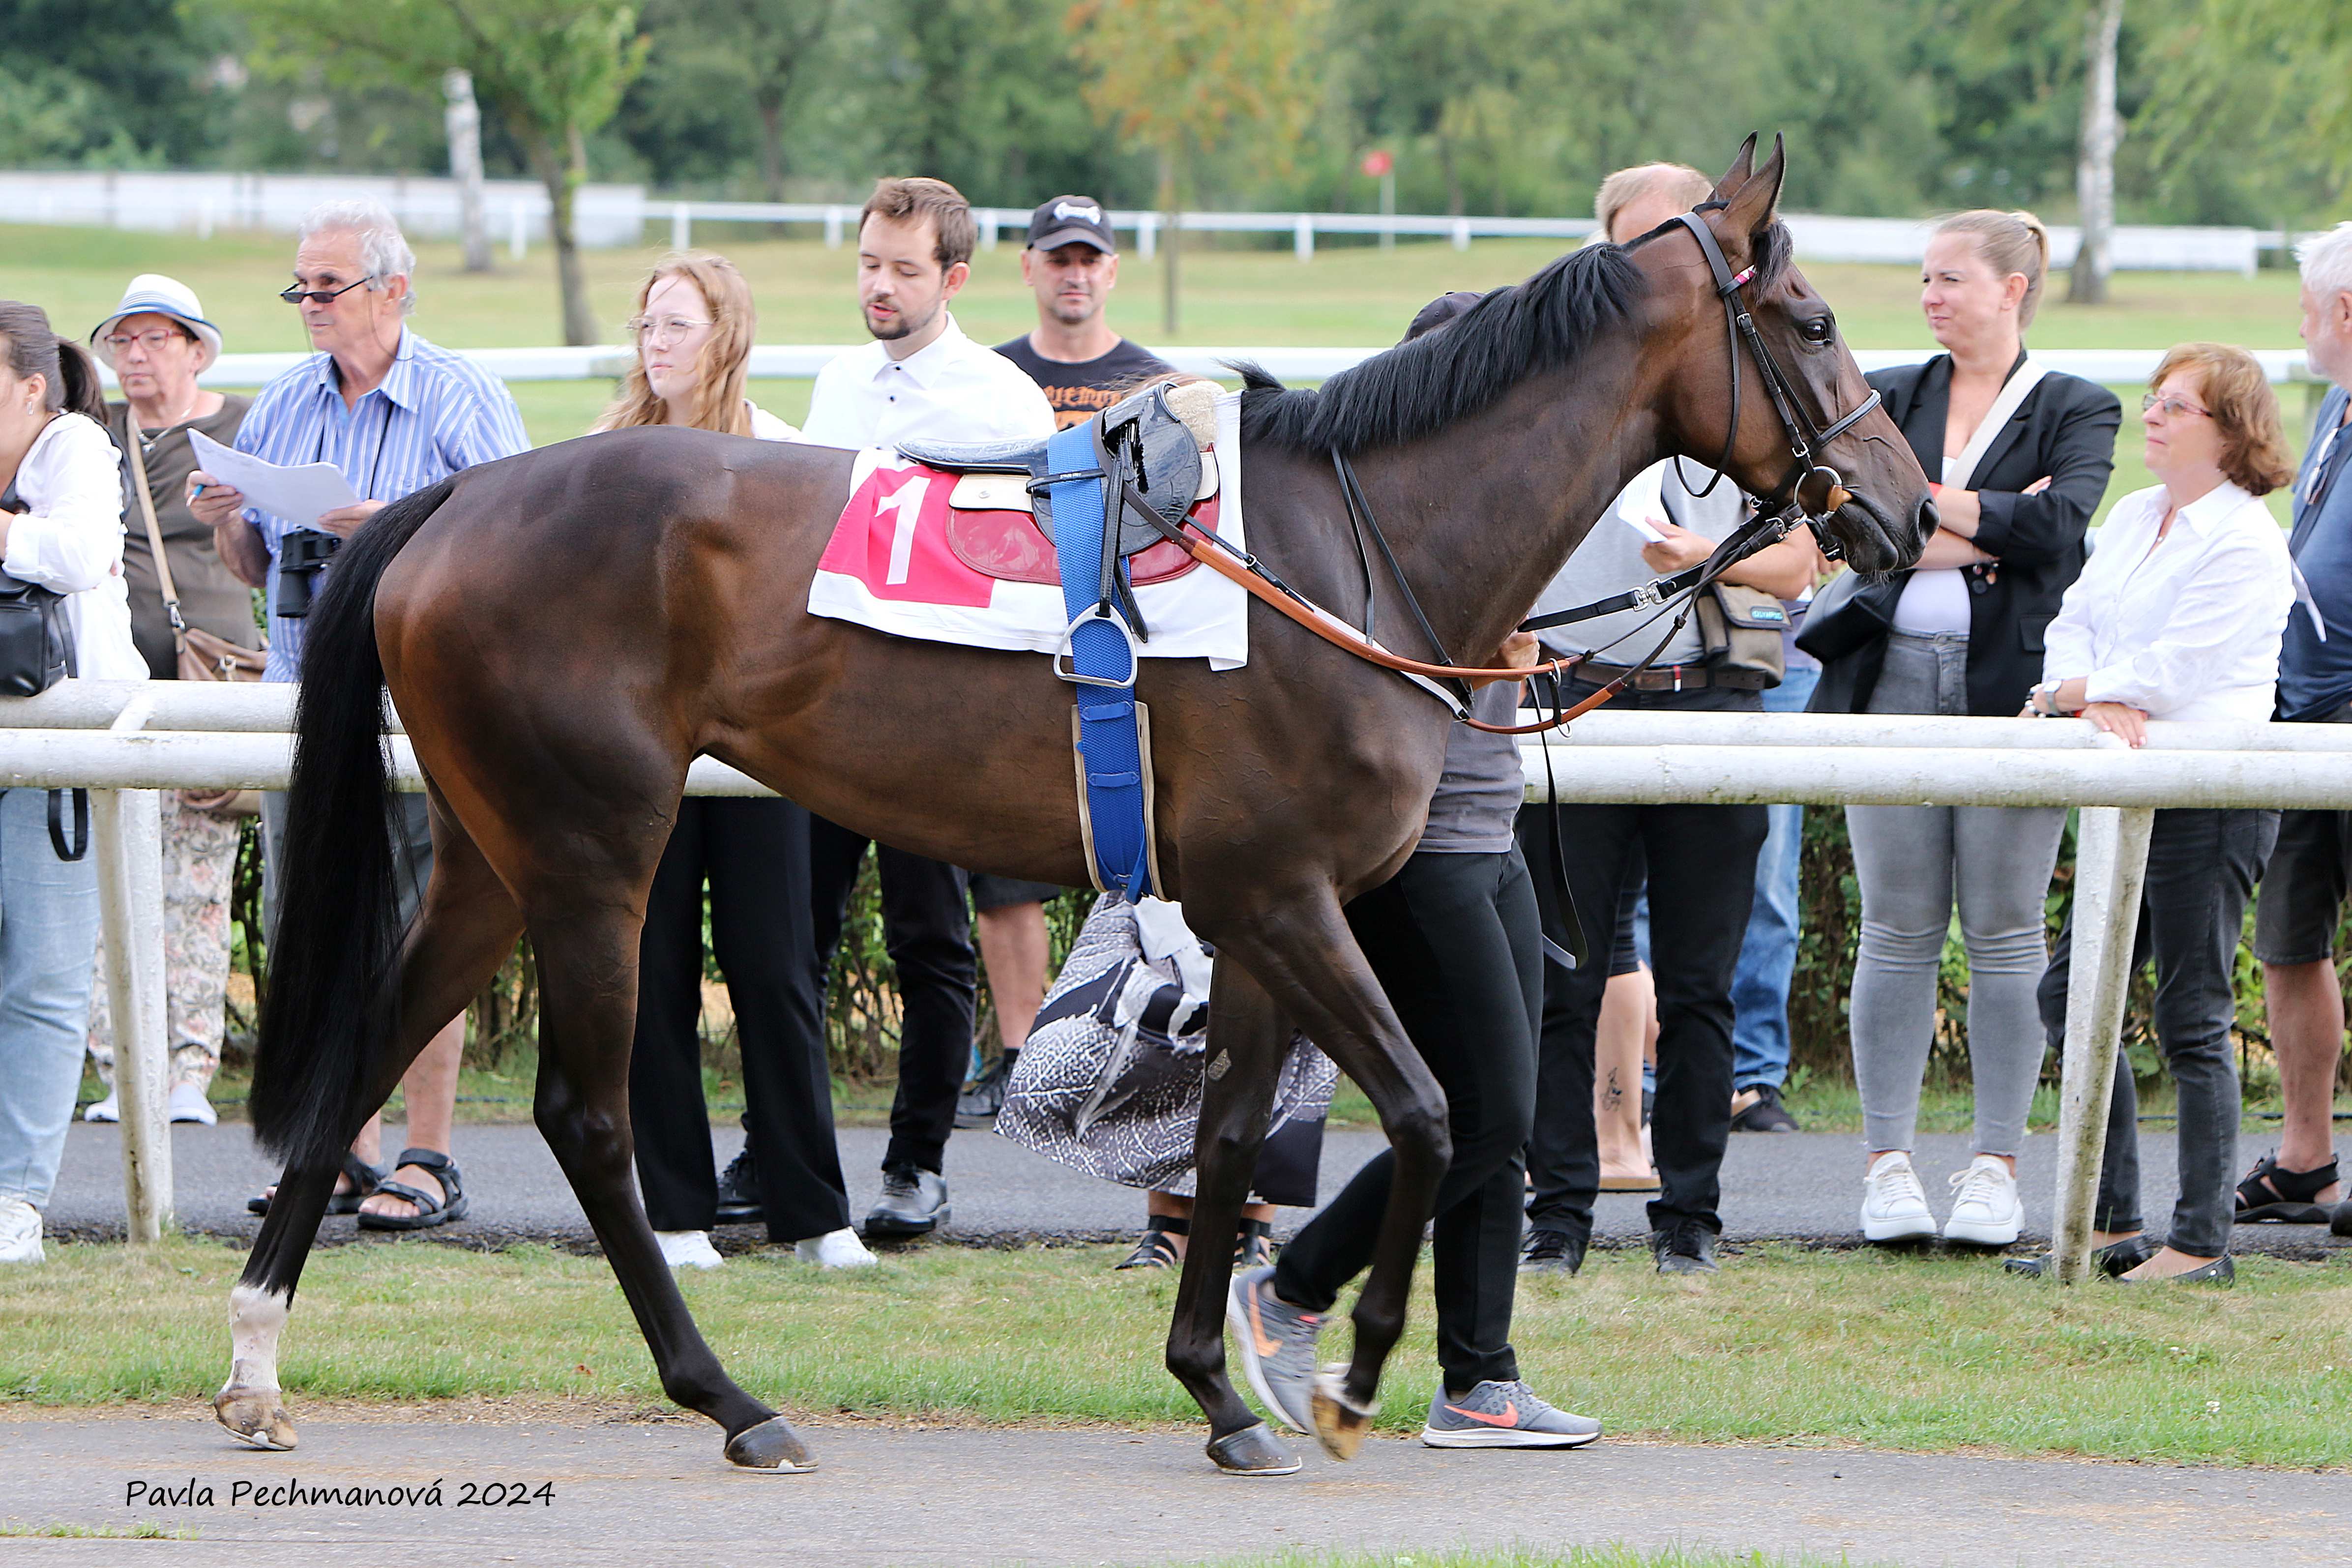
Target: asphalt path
(632, 1492)
(1803, 1187)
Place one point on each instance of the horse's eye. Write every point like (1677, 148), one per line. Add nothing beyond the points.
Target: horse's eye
(1820, 330)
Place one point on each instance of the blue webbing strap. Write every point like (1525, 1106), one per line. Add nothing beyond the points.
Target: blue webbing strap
(1100, 664)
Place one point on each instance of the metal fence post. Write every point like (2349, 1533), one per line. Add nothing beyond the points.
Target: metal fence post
(1302, 237)
(1146, 235)
(1462, 233)
(2110, 864)
(127, 835)
(832, 228)
(681, 226)
(518, 235)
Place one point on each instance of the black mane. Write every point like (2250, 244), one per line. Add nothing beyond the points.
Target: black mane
(1419, 387)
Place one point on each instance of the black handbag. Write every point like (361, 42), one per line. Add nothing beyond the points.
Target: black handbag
(36, 652)
(1850, 614)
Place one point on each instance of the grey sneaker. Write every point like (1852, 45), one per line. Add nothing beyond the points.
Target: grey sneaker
(1503, 1415)
(1277, 1342)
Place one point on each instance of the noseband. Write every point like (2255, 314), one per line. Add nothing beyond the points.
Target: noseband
(1805, 439)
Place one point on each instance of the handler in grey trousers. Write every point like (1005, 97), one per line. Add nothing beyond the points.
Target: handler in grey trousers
(2023, 458)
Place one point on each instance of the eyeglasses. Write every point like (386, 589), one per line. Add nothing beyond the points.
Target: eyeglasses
(662, 329)
(2174, 407)
(154, 341)
(297, 294)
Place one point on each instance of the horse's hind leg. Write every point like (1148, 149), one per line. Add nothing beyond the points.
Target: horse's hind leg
(1247, 1040)
(588, 972)
(465, 930)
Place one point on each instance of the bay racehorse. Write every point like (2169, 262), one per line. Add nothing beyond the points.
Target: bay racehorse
(564, 631)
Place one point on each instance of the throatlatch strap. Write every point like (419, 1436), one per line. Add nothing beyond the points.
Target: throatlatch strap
(1101, 665)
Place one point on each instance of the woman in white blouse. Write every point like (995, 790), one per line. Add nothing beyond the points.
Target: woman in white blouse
(2179, 615)
(693, 329)
(60, 467)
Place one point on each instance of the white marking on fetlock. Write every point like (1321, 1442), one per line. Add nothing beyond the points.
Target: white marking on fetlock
(255, 1318)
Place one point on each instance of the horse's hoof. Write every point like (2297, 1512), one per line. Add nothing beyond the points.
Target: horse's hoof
(771, 1448)
(256, 1414)
(1252, 1451)
(1341, 1424)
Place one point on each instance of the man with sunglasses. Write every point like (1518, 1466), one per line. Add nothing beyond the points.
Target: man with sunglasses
(395, 413)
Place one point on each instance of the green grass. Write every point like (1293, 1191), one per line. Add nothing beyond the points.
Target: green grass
(1350, 295)
(1909, 1353)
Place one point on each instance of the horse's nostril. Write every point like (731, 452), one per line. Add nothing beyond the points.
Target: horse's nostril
(1927, 520)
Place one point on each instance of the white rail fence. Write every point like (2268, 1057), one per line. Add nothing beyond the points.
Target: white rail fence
(801, 361)
(123, 741)
(619, 215)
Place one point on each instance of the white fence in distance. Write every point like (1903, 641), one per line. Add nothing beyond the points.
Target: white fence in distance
(122, 740)
(801, 361)
(618, 215)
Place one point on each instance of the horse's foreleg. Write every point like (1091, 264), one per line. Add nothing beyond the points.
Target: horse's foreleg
(588, 969)
(1310, 963)
(1247, 1038)
(464, 932)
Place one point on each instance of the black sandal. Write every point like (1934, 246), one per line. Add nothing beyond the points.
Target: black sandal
(431, 1210)
(1253, 1248)
(364, 1179)
(2270, 1195)
(1155, 1250)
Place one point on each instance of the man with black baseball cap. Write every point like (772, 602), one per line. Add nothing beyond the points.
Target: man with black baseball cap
(1072, 264)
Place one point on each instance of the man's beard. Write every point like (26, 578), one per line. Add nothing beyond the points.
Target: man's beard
(1074, 313)
(906, 325)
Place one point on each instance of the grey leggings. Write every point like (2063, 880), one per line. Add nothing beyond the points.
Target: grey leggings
(1914, 862)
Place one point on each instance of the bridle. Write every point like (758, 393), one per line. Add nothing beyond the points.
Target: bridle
(1805, 438)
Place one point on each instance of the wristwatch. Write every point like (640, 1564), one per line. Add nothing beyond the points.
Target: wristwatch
(2047, 690)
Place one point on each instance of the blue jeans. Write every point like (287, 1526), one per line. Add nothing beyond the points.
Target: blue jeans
(48, 938)
(1767, 955)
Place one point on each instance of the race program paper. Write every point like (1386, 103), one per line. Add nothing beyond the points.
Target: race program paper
(297, 494)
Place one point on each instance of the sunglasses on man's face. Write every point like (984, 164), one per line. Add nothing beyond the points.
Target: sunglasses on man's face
(297, 294)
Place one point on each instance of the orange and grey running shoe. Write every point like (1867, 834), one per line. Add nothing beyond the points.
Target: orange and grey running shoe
(1503, 1415)
(1277, 1342)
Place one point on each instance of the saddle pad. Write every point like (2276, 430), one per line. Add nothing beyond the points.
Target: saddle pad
(892, 565)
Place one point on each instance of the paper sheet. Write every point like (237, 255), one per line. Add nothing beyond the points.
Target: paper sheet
(1642, 506)
(297, 494)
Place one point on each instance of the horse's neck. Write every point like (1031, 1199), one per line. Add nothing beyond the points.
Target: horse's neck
(1493, 507)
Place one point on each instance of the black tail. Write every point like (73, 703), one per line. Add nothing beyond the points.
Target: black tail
(334, 1002)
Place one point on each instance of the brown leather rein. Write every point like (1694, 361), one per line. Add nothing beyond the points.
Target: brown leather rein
(1220, 557)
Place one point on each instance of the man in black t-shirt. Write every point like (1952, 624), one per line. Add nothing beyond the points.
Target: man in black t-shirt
(1072, 264)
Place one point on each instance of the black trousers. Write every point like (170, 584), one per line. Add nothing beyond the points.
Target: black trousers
(1454, 942)
(755, 856)
(2202, 866)
(1702, 879)
(927, 929)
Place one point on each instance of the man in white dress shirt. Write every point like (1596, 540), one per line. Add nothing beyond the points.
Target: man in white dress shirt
(920, 377)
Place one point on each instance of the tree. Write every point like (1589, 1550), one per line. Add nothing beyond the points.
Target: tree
(2095, 179)
(1181, 76)
(759, 51)
(553, 70)
(2254, 97)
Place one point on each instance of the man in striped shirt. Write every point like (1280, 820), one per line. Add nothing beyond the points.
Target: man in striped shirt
(395, 413)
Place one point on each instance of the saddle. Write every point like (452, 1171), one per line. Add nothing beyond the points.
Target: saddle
(1154, 440)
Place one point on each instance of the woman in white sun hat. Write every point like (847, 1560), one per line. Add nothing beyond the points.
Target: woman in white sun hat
(157, 342)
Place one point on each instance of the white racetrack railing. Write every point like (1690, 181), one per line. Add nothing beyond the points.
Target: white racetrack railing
(125, 740)
(801, 361)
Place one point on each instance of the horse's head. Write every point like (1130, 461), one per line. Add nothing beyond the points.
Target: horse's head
(1803, 385)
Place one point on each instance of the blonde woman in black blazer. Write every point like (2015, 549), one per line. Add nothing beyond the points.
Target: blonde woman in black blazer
(2023, 455)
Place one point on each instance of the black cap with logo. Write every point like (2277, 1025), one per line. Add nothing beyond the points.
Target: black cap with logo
(1071, 220)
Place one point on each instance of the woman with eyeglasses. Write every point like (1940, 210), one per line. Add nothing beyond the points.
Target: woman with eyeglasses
(2023, 456)
(61, 529)
(693, 327)
(157, 342)
(2179, 615)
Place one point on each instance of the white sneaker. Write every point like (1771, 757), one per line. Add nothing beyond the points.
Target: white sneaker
(20, 1232)
(1985, 1207)
(188, 1104)
(834, 1249)
(1894, 1203)
(687, 1249)
(107, 1110)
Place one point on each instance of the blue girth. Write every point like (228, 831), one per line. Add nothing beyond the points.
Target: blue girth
(1099, 658)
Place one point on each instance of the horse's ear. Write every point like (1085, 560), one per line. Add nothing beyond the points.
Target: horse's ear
(1741, 167)
(1749, 209)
